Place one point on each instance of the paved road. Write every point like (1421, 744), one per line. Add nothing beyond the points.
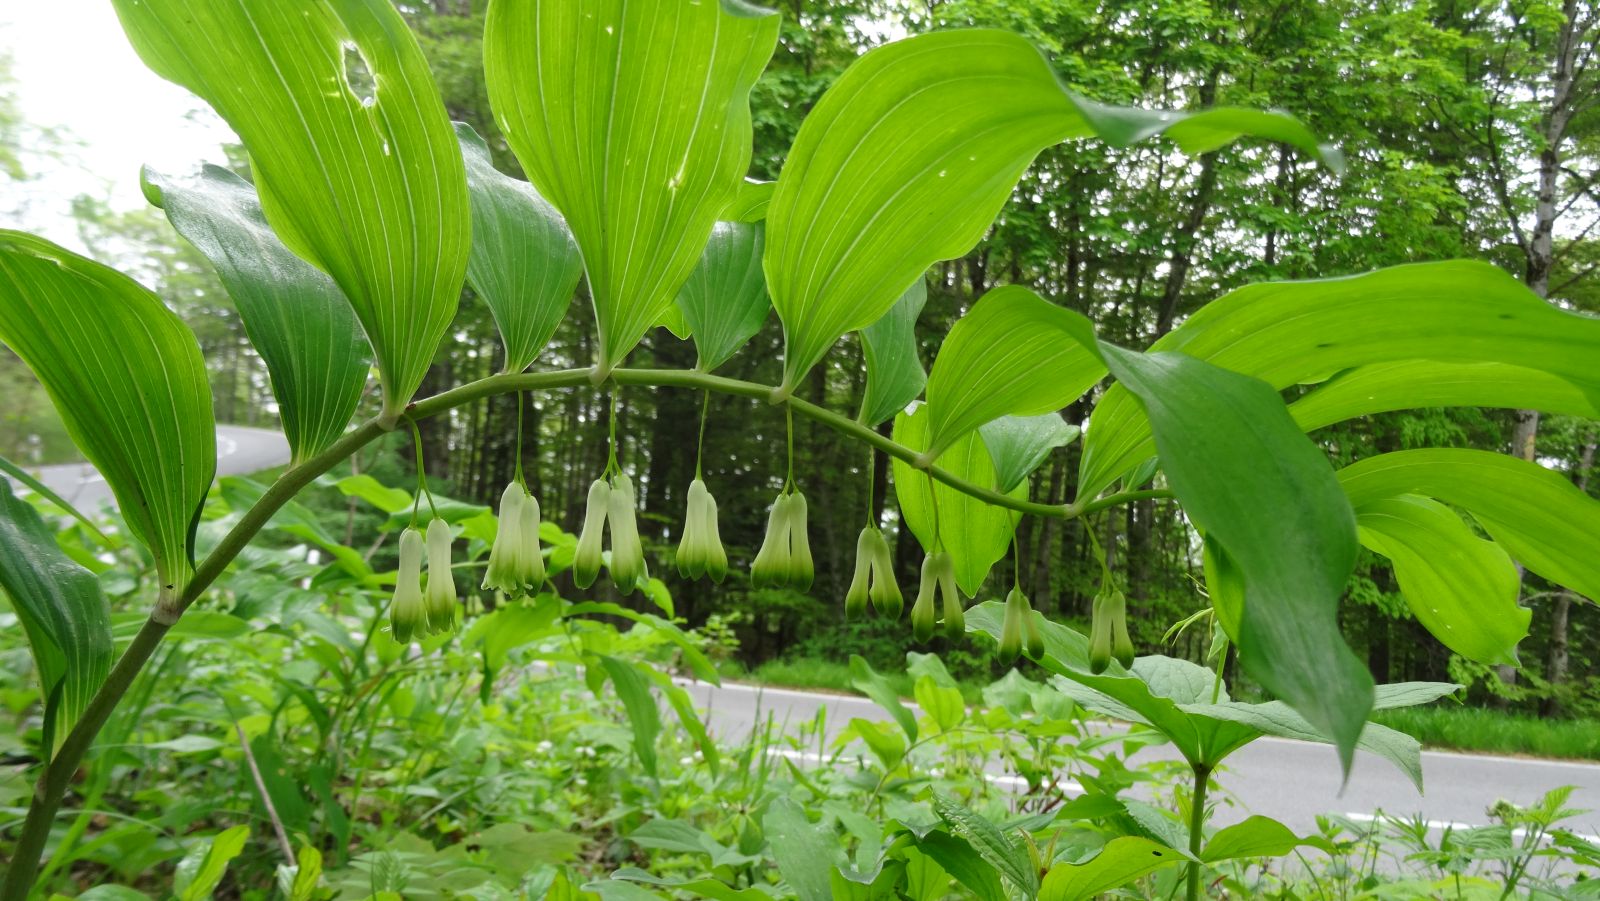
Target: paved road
(240, 450)
(1291, 781)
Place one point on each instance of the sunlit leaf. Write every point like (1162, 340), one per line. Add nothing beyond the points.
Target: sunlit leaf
(1255, 836)
(1289, 332)
(805, 851)
(867, 681)
(724, 302)
(358, 169)
(632, 117)
(90, 334)
(1120, 862)
(976, 534)
(1018, 444)
(1540, 518)
(633, 688)
(894, 368)
(296, 317)
(1418, 384)
(524, 263)
(62, 610)
(1460, 587)
(908, 157)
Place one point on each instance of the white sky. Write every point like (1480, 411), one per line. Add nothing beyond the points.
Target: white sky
(75, 70)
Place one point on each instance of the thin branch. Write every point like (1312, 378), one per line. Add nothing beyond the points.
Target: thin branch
(266, 799)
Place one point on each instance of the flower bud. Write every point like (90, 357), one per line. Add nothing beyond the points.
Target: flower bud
(923, 616)
(441, 594)
(1011, 626)
(1032, 634)
(801, 569)
(530, 556)
(1100, 632)
(700, 552)
(1121, 645)
(770, 569)
(627, 553)
(885, 591)
(955, 620)
(856, 597)
(503, 572)
(586, 560)
(408, 613)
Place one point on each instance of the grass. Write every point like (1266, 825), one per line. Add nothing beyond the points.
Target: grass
(1475, 729)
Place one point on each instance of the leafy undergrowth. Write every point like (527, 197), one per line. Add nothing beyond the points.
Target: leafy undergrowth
(1450, 726)
(832, 676)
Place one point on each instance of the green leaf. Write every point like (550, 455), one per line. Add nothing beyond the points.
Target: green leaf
(1419, 384)
(683, 706)
(1284, 333)
(1206, 130)
(524, 263)
(867, 681)
(1019, 444)
(90, 334)
(1410, 694)
(908, 157)
(307, 875)
(1460, 587)
(805, 852)
(37, 487)
(1542, 519)
(943, 704)
(724, 302)
(1256, 836)
(633, 688)
(357, 167)
(991, 844)
(976, 534)
(374, 492)
(63, 613)
(295, 315)
(1278, 718)
(1249, 478)
(632, 117)
(1120, 862)
(692, 655)
(964, 864)
(202, 869)
(894, 367)
(703, 887)
(750, 201)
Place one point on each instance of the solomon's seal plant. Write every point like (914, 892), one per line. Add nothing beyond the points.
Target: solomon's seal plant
(367, 213)
(873, 580)
(700, 552)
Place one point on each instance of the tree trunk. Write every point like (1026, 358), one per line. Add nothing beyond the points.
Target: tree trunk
(1556, 665)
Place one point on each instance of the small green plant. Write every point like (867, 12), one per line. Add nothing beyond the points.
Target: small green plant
(369, 211)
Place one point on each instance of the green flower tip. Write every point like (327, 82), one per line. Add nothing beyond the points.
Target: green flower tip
(1108, 632)
(441, 594)
(408, 612)
(700, 552)
(610, 508)
(938, 582)
(784, 560)
(874, 578)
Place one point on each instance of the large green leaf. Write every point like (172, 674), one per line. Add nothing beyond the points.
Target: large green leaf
(1542, 519)
(909, 156)
(962, 862)
(1256, 836)
(94, 338)
(865, 679)
(524, 263)
(894, 368)
(975, 533)
(1120, 862)
(1417, 384)
(1461, 588)
(1018, 444)
(633, 118)
(62, 610)
(1289, 332)
(805, 851)
(295, 315)
(724, 302)
(1279, 719)
(357, 166)
(1005, 855)
(633, 688)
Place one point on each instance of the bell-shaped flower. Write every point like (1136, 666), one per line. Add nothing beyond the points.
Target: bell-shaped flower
(784, 560)
(505, 571)
(700, 552)
(530, 556)
(586, 561)
(938, 583)
(1032, 635)
(1011, 626)
(408, 613)
(801, 569)
(441, 593)
(627, 553)
(874, 578)
(856, 596)
(1108, 631)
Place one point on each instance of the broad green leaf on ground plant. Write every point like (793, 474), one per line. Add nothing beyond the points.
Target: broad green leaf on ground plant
(724, 302)
(700, 888)
(1005, 855)
(692, 655)
(1541, 518)
(1460, 587)
(374, 492)
(14, 471)
(1018, 444)
(63, 613)
(127, 379)
(203, 867)
(1256, 836)
(633, 118)
(976, 534)
(295, 315)
(1289, 332)
(908, 157)
(294, 518)
(942, 703)
(867, 681)
(1417, 384)
(633, 688)
(301, 883)
(1279, 719)
(524, 263)
(894, 367)
(683, 705)
(1120, 862)
(964, 864)
(511, 625)
(358, 169)
(805, 851)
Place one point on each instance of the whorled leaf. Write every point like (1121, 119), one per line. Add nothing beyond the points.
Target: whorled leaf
(724, 302)
(353, 156)
(894, 367)
(1018, 444)
(912, 152)
(62, 610)
(1460, 587)
(91, 335)
(296, 317)
(633, 118)
(524, 263)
